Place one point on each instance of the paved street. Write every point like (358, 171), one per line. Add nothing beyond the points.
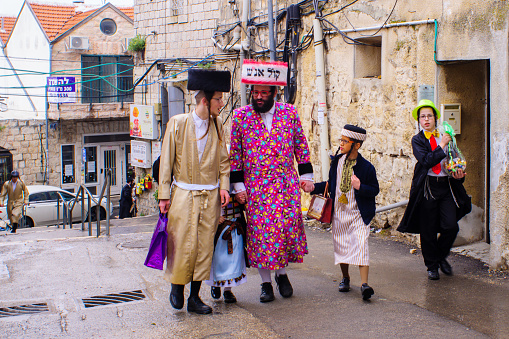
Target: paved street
(60, 267)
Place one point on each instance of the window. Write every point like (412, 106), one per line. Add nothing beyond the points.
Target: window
(108, 26)
(36, 197)
(5, 165)
(368, 58)
(107, 79)
(68, 168)
(66, 196)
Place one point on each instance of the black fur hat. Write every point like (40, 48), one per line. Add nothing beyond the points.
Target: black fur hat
(208, 80)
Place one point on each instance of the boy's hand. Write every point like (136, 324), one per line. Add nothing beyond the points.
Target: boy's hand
(225, 197)
(221, 219)
(241, 197)
(356, 183)
(446, 137)
(307, 186)
(459, 174)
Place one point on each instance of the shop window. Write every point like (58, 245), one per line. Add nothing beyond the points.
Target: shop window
(91, 164)
(5, 165)
(107, 79)
(68, 164)
(368, 58)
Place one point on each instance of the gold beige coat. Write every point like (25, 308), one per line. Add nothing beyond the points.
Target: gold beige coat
(193, 215)
(16, 197)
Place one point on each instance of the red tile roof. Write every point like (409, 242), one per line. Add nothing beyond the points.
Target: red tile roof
(52, 17)
(8, 23)
(57, 19)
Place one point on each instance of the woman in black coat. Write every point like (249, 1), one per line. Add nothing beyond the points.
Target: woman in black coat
(437, 200)
(126, 200)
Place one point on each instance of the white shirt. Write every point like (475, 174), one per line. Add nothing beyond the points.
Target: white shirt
(267, 118)
(200, 127)
(443, 172)
(14, 185)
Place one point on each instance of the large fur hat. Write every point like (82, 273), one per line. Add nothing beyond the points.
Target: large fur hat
(208, 80)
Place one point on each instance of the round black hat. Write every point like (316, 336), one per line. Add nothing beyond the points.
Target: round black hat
(208, 80)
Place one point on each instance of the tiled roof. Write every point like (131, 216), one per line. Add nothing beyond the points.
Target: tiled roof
(7, 23)
(52, 17)
(57, 19)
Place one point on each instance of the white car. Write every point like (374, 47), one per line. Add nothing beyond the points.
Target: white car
(42, 207)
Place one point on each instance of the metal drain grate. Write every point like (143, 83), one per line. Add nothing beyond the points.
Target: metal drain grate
(113, 298)
(23, 309)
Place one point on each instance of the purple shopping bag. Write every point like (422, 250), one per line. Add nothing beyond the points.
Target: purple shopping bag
(158, 246)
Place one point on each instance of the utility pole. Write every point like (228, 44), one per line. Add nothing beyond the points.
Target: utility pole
(244, 47)
(272, 42)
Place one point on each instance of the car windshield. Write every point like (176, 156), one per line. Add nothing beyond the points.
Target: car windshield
(66, 196)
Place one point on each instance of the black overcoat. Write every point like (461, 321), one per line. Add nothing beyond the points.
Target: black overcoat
(426, 159)
(364, 196)
(126, 201)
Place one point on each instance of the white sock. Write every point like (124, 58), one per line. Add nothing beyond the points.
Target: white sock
(265, 275)
(281, 271)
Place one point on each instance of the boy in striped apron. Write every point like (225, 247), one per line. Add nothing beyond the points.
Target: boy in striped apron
(354, 186)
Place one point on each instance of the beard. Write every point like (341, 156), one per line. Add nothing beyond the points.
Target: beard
(265, 106)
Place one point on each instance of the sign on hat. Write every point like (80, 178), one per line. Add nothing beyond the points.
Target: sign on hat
(265, 73)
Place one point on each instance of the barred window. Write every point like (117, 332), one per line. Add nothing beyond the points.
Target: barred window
(106, 79)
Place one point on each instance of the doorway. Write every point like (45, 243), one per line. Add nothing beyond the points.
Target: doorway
(466, 83)
(111, 160)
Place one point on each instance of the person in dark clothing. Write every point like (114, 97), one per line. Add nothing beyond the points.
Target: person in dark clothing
(126, 200)
(353, 188)
(437, 200)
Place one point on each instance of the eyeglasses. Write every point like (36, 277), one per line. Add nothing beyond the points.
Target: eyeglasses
(426, 117)
(262, 93)
(343, 141)
(218, 99)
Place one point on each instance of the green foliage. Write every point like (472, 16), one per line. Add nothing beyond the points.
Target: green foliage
(156, 194)
(2, 128)
(205, 66)
(137, 44)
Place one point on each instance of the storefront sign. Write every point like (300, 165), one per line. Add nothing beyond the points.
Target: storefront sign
(61, 90)
(143, 123)
(141, 154)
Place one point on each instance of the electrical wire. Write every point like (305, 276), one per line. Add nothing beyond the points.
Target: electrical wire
(340, 9)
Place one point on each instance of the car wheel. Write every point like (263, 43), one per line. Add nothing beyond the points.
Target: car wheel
(27, 222)
(94, 214)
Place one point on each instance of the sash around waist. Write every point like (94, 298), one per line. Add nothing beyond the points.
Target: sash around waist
(195, 187)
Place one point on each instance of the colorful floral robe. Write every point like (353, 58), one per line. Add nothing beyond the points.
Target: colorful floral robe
(265, 163)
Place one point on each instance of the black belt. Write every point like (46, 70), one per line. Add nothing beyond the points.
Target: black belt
(437, 179)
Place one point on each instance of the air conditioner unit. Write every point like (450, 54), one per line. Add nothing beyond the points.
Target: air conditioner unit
(78, 42)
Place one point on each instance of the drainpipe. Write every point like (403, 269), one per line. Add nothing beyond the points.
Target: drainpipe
(46, 110)
(244, 47)
(272, 43)
(322, 101)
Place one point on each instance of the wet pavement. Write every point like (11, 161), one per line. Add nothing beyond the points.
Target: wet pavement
(61, 267)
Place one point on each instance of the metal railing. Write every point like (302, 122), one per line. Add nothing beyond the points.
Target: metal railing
(84, 194)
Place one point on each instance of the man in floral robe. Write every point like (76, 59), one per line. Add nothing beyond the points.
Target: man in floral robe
(266, 137)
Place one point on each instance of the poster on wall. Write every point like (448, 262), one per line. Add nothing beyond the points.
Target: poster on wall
(61, 90)
(156, 150)
(141, 154)
(143, 123)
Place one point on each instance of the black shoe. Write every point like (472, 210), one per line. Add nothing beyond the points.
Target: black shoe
(229, 297)
(433, 274)
(344, 285)
(215, 292)
(14, 228)
(366, 291)
(194, 304)
(267, 293)
(284, 286)
(177, 296)
(445, 267)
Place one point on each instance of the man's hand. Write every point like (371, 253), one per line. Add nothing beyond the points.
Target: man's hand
(225, 197)
(307, 185)
(241, 197)
(459, 174)
(164, 205)
(1, 204)
(356, 183)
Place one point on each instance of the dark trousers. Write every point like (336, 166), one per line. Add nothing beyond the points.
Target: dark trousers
(438, 215)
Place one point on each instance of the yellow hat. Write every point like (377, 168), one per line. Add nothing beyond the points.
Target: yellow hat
(425, 103)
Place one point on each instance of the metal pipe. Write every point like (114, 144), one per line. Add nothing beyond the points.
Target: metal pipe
(46, 180)
(272, 43)
(245, 47)
(108, 204)
(89, 215)
(392, 206)
(322, 99)
(58, 212)
(82, 207)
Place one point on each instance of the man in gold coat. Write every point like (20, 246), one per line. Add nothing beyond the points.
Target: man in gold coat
(194, 181)
(17, 192)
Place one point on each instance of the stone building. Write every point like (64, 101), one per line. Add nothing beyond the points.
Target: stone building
(380, 58)
(89, 130)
